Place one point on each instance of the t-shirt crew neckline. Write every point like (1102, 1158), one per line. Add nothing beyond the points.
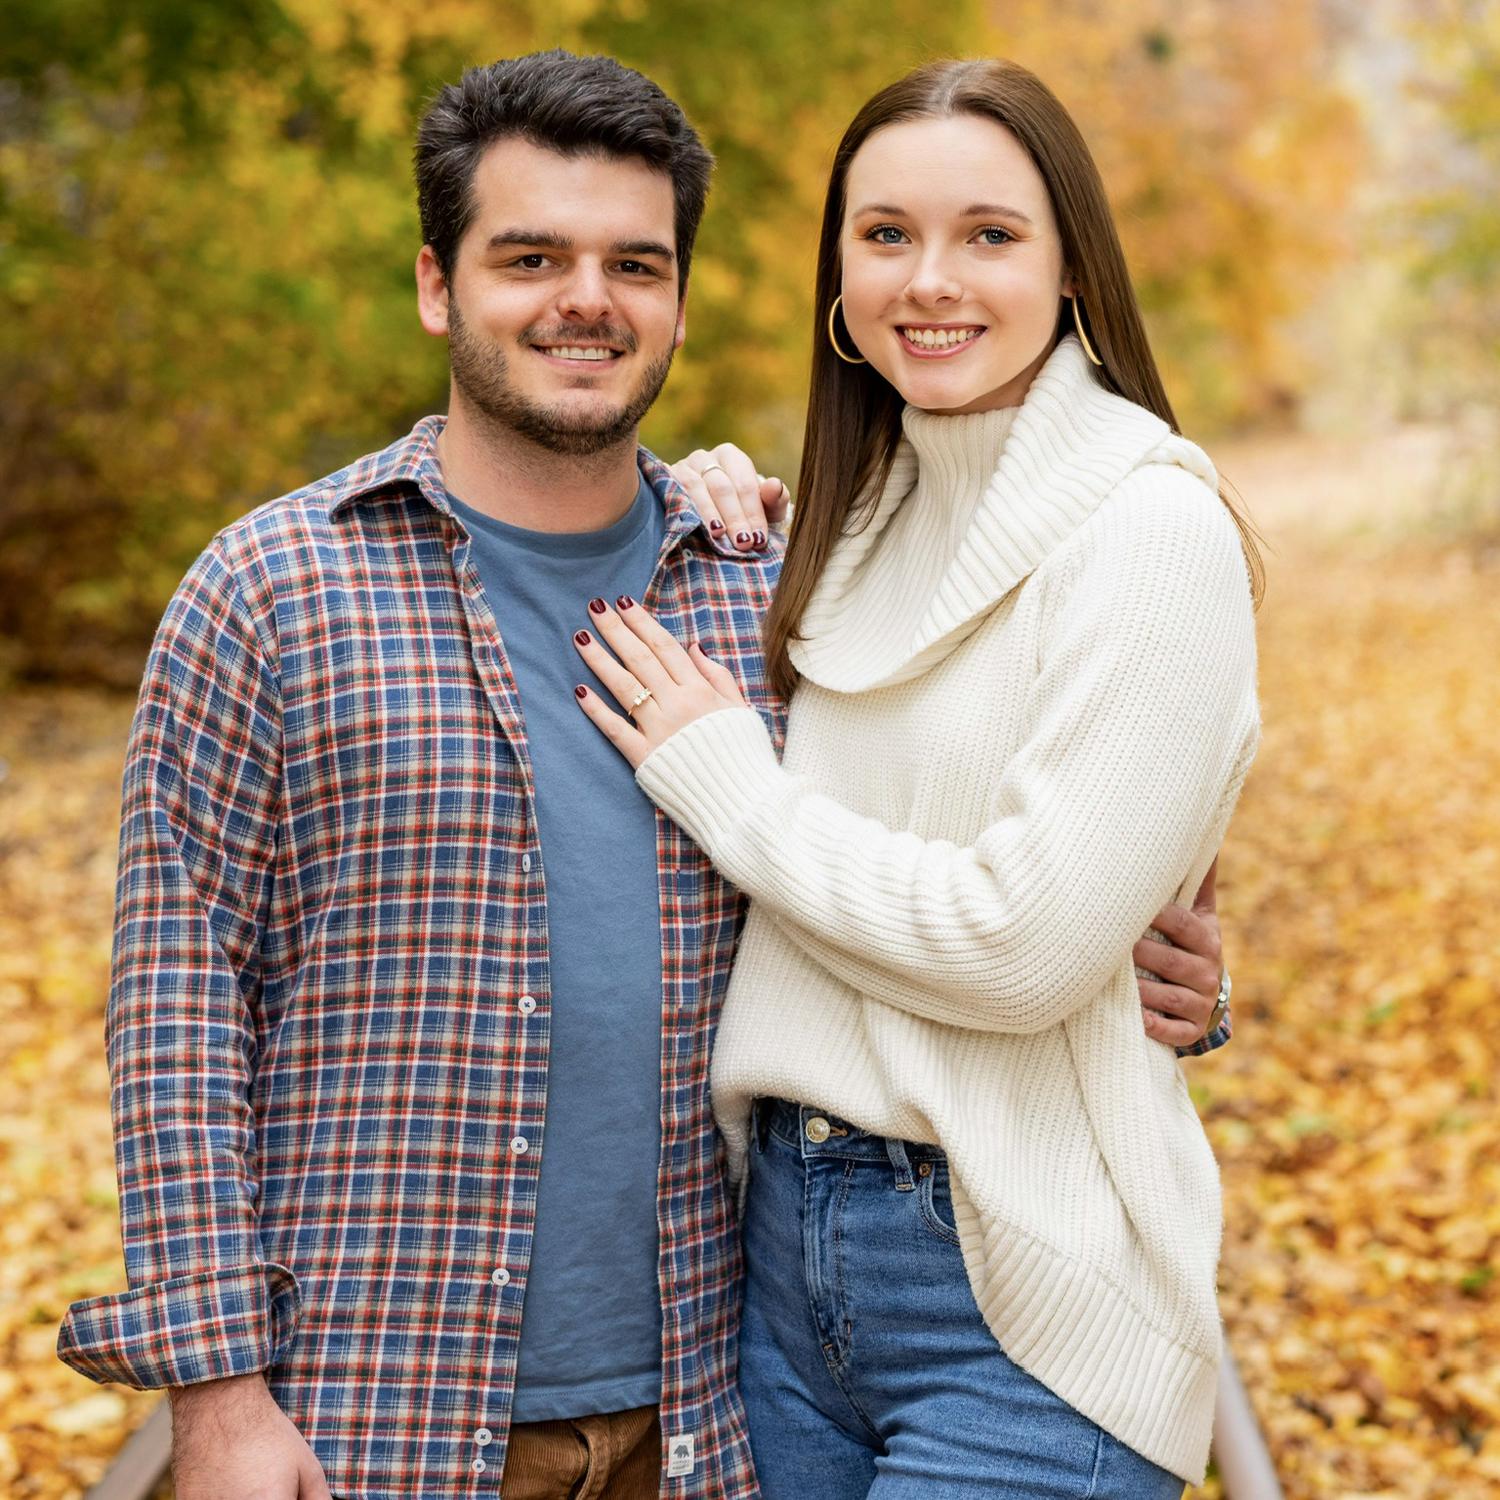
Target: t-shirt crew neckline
(599, 543)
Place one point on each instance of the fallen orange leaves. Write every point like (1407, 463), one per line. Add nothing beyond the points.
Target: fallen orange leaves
(59, 1237)
(1355, 1114)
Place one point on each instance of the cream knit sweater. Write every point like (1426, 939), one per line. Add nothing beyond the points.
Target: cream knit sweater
(1027, 709)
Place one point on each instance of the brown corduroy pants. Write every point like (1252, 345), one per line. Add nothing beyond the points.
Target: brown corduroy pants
(614, 1456)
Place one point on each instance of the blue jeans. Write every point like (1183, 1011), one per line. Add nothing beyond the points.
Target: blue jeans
(865, 1365)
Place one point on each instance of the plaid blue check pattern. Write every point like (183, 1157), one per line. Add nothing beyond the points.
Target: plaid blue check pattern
(329, 1014)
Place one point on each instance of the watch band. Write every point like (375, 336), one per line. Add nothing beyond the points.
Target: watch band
(1221, 1007)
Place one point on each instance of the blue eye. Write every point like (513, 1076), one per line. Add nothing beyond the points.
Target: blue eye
(880, 232)
(987, 235)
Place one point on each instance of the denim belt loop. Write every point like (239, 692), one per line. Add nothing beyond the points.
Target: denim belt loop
(760, 1125)
(900, 1164)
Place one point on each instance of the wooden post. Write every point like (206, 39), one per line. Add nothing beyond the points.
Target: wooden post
(1240, 1452)
(142, 1462)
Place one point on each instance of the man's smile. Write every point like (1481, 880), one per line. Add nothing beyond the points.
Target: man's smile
(579, 353)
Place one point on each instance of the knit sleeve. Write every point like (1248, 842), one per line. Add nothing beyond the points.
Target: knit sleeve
(1143, 722)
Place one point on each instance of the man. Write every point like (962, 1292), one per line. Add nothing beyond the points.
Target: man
(412, 1003)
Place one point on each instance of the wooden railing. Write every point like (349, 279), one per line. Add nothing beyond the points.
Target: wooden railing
(142, 1463)
(1240, 1452)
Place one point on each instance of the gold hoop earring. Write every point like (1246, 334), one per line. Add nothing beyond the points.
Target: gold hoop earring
(1083, 338)
(833, 338)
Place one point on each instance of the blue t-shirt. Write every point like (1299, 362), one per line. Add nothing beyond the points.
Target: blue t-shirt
(591, 1322)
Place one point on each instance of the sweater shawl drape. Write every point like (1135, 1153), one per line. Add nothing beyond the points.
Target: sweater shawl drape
(1027, 707)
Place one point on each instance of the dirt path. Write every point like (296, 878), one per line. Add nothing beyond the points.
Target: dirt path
(1304, 487)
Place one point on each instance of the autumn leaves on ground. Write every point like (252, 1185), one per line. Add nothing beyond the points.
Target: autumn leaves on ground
(1355, 1113)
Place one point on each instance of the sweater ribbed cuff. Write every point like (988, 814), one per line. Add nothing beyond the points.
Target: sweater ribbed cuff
(712, 776)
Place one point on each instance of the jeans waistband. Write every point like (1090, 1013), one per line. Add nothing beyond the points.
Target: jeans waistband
(802, 1127)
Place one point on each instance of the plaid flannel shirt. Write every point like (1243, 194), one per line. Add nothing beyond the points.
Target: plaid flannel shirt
(329, 1015)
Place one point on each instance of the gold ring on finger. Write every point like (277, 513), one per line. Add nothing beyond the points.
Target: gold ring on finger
(712, 467)
(639, 699)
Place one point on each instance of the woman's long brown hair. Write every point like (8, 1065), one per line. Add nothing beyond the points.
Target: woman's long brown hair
(854, 414)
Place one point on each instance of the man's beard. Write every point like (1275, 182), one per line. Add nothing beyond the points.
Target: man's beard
(481, 374)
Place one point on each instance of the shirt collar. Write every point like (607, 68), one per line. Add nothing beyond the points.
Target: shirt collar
(411, 463)
(681, 518)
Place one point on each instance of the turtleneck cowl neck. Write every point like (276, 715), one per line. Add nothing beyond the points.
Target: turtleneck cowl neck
(952, 459)
(972, 506)
(956, 458)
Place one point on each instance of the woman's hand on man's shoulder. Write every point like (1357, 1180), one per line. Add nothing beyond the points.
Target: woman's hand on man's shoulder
(738, 504)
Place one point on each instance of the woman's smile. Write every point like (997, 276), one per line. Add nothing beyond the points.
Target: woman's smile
(938, 340)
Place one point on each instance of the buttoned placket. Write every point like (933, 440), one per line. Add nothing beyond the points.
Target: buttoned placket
(488, 653)
(676, 1414)
(487, 650)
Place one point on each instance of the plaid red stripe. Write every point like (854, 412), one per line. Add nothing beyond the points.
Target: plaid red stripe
(330, 906)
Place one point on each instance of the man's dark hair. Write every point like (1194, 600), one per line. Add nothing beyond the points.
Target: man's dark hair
(575, 105)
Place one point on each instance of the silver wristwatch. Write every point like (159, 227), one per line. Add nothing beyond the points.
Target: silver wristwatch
(1221, 1006)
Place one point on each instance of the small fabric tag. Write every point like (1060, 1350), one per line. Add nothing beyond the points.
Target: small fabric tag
(680, 1455)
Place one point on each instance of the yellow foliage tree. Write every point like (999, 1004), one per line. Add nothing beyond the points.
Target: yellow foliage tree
(1230, 153)
(205, 283)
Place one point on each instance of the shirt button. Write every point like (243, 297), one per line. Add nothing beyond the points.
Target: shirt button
(500, 1276)
(520, 1145)
(479, 1466)
(817, 1130)
(526, 1004)
(526, 863)
(483, 1435)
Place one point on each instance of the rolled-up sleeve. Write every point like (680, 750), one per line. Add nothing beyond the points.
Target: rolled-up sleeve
(1212, 1041)
(185, 1329)
(197, 851)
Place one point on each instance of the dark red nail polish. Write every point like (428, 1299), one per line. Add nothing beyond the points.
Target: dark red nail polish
(742, 539)
(760, 539)
(598, 606)
(582, 637)
(580, 691)
(716, 526)
(624, 602)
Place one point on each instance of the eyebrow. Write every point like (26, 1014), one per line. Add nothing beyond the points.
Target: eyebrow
(973, 211)
(642, 248)
(540, 237)
(546, 239)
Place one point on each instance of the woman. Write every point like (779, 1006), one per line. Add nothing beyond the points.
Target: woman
(981, 1244)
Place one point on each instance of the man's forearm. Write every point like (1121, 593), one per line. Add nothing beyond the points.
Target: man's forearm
(211, 1400)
